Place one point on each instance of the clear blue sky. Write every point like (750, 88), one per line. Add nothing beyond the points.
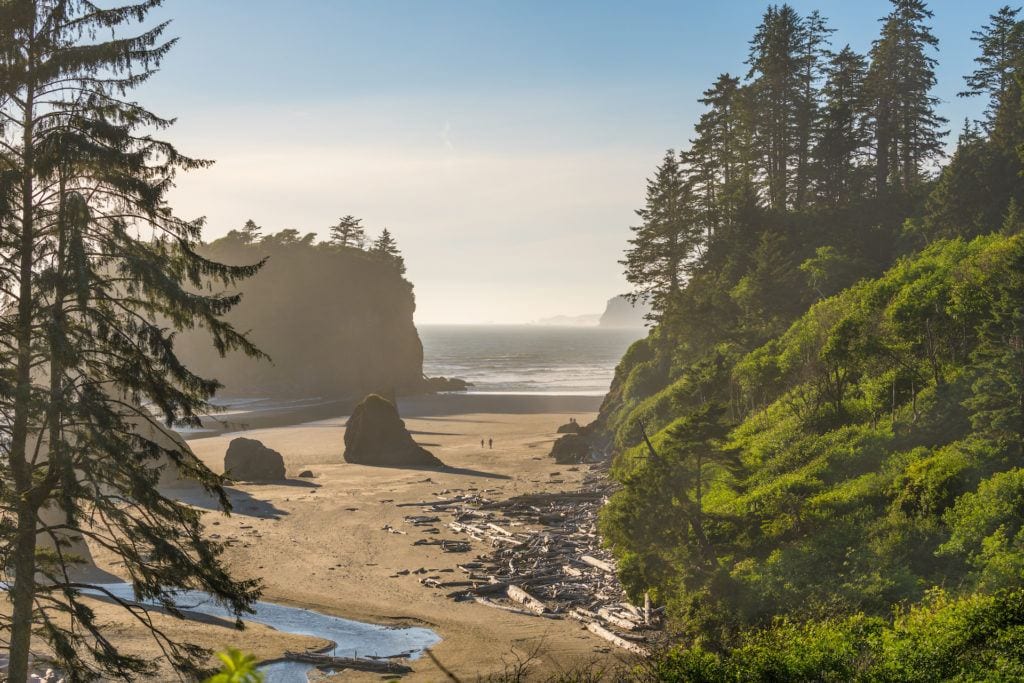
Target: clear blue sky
(506, 144)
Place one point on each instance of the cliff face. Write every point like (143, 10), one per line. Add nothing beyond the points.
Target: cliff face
(619, 312)
(335, 322)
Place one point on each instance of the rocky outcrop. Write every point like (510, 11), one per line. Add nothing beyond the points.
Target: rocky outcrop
(571, 449)
(250, 460)
(376, 435)
(619, 312)
(446, 384)
(335, 321)
(570, 427)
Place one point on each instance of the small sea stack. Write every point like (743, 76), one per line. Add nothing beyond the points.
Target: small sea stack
(571, 449)
(250, 460)
(376, 435)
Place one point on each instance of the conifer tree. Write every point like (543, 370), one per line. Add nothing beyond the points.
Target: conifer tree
(349, 232)
(1001, 44)
(776, 70)
(844, 136)
(88, 322)
(713, 159)
(251, 232)
(813, 55)
(386, 248)
(908, 132)
(669, 237)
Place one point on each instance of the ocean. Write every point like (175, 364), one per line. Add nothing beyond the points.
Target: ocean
(526, 359)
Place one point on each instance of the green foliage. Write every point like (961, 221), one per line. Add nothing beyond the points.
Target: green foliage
(855, 324)
(940, 639)
(238, 667)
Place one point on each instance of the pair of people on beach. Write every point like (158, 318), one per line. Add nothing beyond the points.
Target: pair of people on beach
(490, 443)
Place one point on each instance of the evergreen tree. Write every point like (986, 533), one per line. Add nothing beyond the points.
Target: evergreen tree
(844, 137)
(89, 333)
(714, 157)
(997, 364)
(1001, 44)
(386, 248)
(813, 68)
(251, 232)
(668, 238)
(776, 69)
(907, 130)
(349, 232)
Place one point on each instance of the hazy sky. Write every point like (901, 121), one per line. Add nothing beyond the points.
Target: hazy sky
(506, 144)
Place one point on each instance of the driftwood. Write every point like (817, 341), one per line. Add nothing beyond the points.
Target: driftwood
(600, 564)
(616, 620)
(381, 666)
(517, 594)
(617, 640)
(514, 610)
(540, 555)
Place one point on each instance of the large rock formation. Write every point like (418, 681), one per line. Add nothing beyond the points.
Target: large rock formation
(250, 460)
(619, 312)
(335, 321)
(376, 435)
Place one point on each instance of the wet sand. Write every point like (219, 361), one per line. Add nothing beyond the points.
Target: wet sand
(321, 543)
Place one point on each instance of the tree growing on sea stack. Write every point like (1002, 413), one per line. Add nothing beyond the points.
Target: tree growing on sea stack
(349, 232)
(376, 435)
(386, 248)
(98, 274)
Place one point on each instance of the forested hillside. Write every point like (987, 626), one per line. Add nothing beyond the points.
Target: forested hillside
(336, 318)
(820, 442)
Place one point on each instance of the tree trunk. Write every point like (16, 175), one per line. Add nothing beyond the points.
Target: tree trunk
(23, 591)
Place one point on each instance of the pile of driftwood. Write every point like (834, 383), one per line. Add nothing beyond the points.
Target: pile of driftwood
(541, 557)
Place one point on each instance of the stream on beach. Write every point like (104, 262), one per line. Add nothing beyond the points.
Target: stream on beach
(351, 638)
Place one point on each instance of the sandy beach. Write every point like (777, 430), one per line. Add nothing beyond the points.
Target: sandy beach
(321, 543)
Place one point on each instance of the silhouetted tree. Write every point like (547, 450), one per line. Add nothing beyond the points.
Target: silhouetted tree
(907, 130)
(349, 232)
(385, 247)
(87, 332)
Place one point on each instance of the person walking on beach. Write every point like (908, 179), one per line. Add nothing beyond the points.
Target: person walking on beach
(490, 443)
(481, 443)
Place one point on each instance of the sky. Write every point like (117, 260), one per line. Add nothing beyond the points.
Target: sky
(505, 144)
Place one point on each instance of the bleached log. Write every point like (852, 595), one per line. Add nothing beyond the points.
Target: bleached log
(517, 594)
(615, 619)
(515, 610)
(600, 564)
(617, 640)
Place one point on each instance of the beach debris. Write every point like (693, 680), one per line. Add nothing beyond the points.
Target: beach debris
(250, 460)
(540, 555)
(306, 474)
(320, 660)
(376, 435)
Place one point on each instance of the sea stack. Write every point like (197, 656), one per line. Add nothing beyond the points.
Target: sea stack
(376, 435)
(250, 460)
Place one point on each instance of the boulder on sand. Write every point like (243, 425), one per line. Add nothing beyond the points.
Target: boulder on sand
(250, 460)
(571, 449)
(376, 435)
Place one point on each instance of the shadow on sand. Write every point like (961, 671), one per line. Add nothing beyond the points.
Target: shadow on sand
(242, 502)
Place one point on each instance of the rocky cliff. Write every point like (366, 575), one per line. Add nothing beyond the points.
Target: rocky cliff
(335, 321)
(619, 312)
